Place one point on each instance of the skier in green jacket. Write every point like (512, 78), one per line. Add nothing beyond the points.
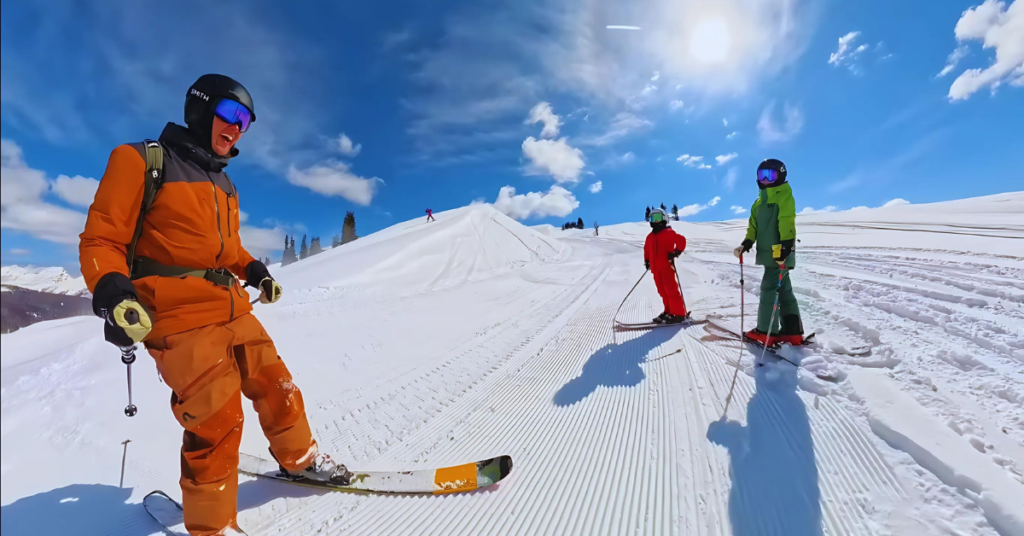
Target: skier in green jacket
(772, 227)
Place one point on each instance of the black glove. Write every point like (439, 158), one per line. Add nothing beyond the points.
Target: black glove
(787, 249)
(111, 290)
(647, 264)
(257, 276)
(673, 255)
(747, 244)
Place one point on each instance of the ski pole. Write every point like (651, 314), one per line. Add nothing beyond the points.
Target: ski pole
(128, 357)
(676, 270)
(624, 301)
(736, 372)
(124, 456)
(775, 308)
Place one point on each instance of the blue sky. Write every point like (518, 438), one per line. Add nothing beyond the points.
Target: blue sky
(528, 105)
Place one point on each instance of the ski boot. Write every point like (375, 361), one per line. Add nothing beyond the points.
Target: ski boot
(792, 331)
(321, 468)
(660, 319)
(676, 319)
(761, 337)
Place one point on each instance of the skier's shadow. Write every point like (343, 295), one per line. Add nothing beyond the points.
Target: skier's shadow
(613, 365)
(774, 476)
(75, 509)
(98, 509)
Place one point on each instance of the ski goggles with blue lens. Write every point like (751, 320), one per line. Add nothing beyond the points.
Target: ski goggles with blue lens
(767, 176)
(657, 217)
(235, 113)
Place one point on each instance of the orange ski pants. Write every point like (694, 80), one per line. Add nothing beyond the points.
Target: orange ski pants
(209, 369)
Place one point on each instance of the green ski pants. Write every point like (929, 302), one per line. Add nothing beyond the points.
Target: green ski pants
(788, 316)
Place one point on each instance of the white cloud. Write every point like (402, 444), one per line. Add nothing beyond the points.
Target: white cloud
(622, 160)
(725, 122)
(724, 159)
(954, 58)
(675, 105)
(334, 179)
(812, 210)
(656, 76)
(22, 207)
(262, 242)
(690, 210)
(553, 157)
(693, 161)
(771, 131)
(77, 190)
(556, 202)
(732, 135)
(859, 208)
(730, 178)
(596, 187)
(622, 27)
(243, 216)
(997, 27)
(736, 209)
(18, 251)
(542, 113)
(345, 146)
(844, 54)
(896, 202)
(624, 124)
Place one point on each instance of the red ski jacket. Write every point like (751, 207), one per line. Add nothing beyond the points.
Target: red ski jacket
(659, 244)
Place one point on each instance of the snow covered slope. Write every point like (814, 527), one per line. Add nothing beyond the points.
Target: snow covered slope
(53, 279)
(432, 344)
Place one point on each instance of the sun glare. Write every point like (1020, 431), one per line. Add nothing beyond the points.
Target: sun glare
(710, 41)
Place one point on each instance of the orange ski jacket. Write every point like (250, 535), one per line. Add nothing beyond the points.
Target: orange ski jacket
(193, 223)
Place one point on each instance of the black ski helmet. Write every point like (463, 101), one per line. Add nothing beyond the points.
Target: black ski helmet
(778, 166)
(204, 95)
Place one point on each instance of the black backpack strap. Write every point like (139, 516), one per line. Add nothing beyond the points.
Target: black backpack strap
(153, 152)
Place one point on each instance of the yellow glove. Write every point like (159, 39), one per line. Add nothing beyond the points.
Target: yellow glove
(270, 290)
(132, 317)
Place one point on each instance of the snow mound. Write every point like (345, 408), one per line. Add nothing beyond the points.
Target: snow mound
(52, 279)
(463, 244)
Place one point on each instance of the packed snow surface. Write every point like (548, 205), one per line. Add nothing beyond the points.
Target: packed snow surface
(54, 279)
(431, 344)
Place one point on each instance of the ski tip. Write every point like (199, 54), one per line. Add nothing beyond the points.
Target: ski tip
(505, 465)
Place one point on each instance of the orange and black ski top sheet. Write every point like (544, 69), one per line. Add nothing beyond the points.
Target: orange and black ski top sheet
(454, 479)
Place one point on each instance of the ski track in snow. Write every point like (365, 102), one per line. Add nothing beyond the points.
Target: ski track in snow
(507, 349)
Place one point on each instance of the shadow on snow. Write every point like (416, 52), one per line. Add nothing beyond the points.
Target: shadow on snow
(774, 476)
(101, 510)
(613, 365)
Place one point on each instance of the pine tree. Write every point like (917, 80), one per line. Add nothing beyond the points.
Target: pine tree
(348, 228)
(303, 249)
(647, 215)
(335, 241)
(288, 256)
(675, 211)
(580, 224)
(663, 207)
(314, 246)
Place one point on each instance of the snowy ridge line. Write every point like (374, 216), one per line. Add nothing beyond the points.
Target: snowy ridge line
(848, 466)
(428, 431)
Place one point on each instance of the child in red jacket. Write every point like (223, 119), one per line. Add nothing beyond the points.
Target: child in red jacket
(663, 245)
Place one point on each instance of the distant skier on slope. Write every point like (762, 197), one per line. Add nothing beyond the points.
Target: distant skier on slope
(663, 246)
(189, 248)
(430, 215)
(772, 226)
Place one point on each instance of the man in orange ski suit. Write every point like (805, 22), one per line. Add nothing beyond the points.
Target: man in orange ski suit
(181, 279)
